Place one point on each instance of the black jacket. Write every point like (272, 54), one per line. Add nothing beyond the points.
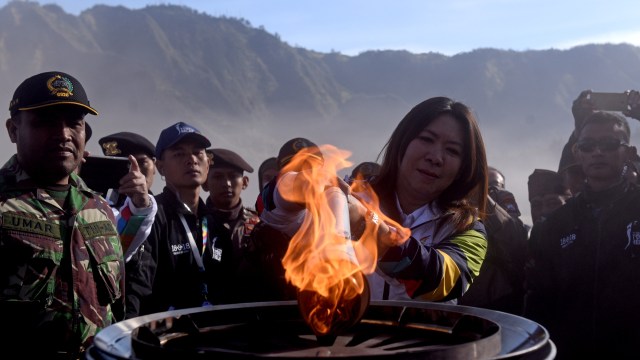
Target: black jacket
(164, 274)
(500, 285)
(584, 286)
(230, 232)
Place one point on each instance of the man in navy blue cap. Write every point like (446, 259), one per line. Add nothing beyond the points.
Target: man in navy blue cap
(171, 272)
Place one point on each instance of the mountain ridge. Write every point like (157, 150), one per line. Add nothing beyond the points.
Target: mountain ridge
(250, 90)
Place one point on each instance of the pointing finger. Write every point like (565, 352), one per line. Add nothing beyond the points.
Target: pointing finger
(134, 164)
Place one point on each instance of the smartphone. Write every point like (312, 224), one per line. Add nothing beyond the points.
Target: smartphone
(102, 173)
(610, 101)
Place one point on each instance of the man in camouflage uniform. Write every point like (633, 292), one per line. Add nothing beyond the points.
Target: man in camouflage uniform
(61, 262)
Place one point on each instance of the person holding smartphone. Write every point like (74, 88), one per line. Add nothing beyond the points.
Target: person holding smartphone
(125, 143)
(131, 196)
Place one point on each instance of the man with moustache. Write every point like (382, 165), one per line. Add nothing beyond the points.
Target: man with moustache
(584, 283)
(61, 263)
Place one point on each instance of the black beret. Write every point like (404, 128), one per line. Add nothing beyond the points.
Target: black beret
(228, 158)
(125, 143)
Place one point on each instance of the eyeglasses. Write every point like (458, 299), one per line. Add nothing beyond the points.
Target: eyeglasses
(605, 145)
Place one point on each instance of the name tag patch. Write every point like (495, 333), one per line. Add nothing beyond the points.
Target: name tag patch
(17, 222)
(96, 229)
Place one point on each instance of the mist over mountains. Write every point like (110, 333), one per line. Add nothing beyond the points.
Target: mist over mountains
(250, 91)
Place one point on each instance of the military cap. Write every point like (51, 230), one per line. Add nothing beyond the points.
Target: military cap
(542, 182)
(123, 144)
(48, 89)
(176, 132)
(227, 158)
(295, 145)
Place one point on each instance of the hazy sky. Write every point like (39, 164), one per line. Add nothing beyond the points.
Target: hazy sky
(445, 26)
(448, 27)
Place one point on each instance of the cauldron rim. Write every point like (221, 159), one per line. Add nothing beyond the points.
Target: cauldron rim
(115, 340)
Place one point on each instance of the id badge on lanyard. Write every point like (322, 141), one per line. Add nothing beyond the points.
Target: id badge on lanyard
(196, 253)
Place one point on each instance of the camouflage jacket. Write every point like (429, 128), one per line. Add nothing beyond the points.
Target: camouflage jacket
(61, 269)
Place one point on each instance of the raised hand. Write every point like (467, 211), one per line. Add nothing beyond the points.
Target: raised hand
(582, 107)
(134, 185)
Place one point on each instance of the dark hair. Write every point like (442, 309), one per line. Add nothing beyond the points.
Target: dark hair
(466, 197)
(491, 168)
(365, 170)
(270, 163)
(602, 117)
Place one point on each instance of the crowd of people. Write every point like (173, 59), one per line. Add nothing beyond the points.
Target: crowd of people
(446, 229)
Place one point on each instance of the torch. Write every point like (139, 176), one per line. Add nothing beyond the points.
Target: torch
(339, 294)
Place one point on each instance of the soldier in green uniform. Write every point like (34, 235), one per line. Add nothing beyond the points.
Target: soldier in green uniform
(61, 261)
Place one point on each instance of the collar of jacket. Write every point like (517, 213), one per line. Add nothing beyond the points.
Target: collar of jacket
(223, 214)
(178, 206)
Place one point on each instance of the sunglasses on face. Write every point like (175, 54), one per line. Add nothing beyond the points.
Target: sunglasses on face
(605, 145)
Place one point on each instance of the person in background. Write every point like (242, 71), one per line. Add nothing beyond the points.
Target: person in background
(547, 192)
(267, 171)
(61, 263)
(138, 221)
(278, 212)
(496, 178)
(433, 181)
(584, 283)
(171, 272)
(633, 165)
(500, 194)
(569, 170)
(365, 171)
(123, 144)
(233, 224)
(279, 221)
(500, 285)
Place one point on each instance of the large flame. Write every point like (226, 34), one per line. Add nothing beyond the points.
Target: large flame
(326, 266)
